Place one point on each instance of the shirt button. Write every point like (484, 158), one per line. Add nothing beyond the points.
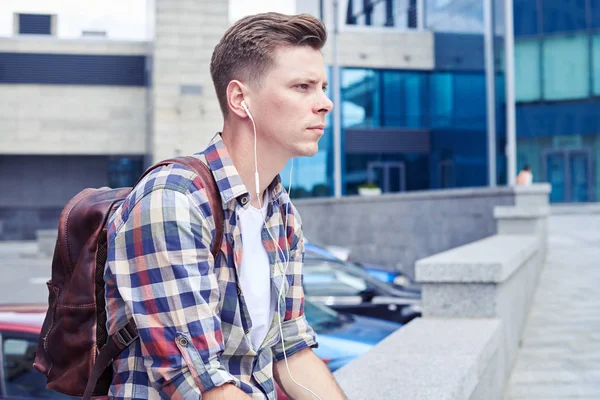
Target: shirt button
(183, 342)
(245, 200)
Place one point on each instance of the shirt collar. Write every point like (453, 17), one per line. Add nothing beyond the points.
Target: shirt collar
(227, 177)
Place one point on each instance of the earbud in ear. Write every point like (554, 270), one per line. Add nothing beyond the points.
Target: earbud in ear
(245, 107)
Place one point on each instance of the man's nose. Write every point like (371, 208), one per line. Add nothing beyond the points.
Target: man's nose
(325, 105)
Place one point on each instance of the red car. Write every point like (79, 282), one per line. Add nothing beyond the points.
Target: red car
(20, 327)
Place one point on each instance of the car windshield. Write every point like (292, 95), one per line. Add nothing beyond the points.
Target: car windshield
(322, 318)
(313, 251)
(330, 278)
(326, 277)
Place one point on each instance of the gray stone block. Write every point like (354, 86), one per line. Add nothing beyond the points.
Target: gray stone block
(427, 359)
(459, 300)
(492, 259)
(398, 229)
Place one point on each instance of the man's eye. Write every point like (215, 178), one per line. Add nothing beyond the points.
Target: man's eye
(302, 86)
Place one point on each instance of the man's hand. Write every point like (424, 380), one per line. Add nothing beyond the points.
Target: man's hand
(227, 391)
(308, 370)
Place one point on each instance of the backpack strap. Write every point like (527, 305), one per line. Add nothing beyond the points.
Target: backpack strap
(201, 169)
(115, 345)
(212, 191)
(128, 334)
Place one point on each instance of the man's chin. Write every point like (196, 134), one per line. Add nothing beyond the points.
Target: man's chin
(308, 151)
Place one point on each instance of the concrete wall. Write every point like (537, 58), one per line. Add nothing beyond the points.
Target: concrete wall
(476, 300)
(186, 112)
(383, 48)
(51, 44)
(395, 230)
(65, 119)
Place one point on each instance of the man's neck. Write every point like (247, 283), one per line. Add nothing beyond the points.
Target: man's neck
(240, 145)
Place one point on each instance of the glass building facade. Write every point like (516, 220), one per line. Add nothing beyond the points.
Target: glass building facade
(409, 130)
(402, 130)
(557, 66)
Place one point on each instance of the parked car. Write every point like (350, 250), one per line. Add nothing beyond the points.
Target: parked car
(341, 337)
(20, 326)
(397, 278)
(346, 287)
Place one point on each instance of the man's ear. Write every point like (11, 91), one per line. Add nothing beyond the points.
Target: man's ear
(235, 96)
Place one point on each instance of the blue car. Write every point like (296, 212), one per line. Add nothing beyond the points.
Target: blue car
(395, 278)
(343, 337)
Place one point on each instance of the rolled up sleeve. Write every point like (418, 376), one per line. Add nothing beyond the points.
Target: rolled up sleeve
(164, 272)
(298, 335)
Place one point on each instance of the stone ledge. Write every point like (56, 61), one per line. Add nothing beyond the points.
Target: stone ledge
(575, 209)
(536, 188)
(490, 260)
(512, 212)
(427, 359)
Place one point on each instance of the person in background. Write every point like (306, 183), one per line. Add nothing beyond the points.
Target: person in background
(525, 177)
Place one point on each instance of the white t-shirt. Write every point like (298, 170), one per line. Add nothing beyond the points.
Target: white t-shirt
(255, 273)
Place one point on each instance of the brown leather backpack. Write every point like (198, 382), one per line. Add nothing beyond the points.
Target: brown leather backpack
(74, 350)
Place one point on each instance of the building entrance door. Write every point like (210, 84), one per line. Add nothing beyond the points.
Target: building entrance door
(389, 175)
(570, 174)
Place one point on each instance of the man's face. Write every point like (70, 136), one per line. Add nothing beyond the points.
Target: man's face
(290, 106)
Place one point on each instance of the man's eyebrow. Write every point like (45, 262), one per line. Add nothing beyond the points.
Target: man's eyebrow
(314, 82)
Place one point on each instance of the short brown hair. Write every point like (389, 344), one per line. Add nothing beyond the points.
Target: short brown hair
(245, 50)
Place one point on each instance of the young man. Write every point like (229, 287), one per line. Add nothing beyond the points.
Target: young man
(210, 328)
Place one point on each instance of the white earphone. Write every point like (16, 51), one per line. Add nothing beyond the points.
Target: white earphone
(245, 107)
(287, 261)
(256, 178)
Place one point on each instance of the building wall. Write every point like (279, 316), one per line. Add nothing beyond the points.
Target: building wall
(383, 48)
(186, 112)
(72, 119)
(53, 45)
(72, 96)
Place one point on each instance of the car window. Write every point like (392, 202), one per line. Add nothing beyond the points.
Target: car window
(21, 379)
(324, 278)
(322, 318)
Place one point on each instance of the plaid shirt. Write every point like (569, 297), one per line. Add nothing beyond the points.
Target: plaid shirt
(189, 309)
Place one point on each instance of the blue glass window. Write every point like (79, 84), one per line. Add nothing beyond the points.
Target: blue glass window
(525, 17)
(527, 70)
(441, 100)
(381, 13)
(566, 67)
(457, 100)
(596, 63)
(360, 98)
(470, 101)
(403, 99)
(595, 13)
(37, 24)
(563, 15)
(73, 69)
(125, 171)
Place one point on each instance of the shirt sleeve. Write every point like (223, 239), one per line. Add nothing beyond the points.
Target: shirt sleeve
(297, 333)
(164, 273)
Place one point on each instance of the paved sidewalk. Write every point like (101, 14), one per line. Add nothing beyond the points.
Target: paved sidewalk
(560, 353)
